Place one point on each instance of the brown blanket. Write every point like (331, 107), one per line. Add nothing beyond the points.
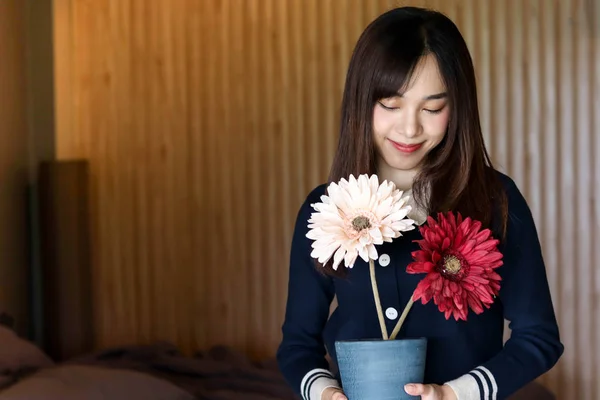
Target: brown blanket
(218, 374)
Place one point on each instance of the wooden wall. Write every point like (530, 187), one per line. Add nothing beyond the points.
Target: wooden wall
(13, 164)
(207, 122)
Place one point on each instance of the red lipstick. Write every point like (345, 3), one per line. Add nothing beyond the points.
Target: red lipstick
(406, 148)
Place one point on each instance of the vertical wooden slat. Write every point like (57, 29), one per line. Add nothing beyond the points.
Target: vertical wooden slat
(482, 59)
(582, 185)
(566, 187)
(62, 11)
(251, 253)
(270, 199)
(206, 123)
(139, 200)
(230, 89)
(593, 12)
(211, 224)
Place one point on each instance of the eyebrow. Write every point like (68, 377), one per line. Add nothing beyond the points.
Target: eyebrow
(436, 96)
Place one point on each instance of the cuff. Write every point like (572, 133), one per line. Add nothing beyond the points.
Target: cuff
(478, 384)
(315, 381)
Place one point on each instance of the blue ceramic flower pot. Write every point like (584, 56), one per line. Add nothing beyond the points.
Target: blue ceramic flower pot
(379, 369)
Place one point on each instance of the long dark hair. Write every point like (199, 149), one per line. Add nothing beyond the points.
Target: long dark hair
(458, 172)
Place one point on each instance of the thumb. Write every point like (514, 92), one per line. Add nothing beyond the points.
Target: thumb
(339, 396)
(416, 389)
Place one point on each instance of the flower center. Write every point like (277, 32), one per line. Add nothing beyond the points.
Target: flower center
(452, 265)
(360, 223)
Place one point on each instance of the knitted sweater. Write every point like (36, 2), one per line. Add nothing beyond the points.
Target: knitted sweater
(470, 356)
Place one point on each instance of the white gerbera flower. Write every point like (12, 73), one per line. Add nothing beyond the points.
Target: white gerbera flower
(357, 215)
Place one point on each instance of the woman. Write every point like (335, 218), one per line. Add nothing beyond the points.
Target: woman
(410, 115)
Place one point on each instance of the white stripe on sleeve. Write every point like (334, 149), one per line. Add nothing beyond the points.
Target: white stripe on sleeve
(315, 382)
(466, 387)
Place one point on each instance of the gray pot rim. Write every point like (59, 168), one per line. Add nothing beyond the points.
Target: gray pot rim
(419, 339)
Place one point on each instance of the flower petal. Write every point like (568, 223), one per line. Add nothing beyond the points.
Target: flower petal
(475, 283)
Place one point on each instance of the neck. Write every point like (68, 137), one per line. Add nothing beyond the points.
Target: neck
(402, 179)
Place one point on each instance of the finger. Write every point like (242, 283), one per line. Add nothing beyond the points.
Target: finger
(417, 389)
(339, 396)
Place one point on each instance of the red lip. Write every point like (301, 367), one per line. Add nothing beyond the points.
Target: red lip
(405, 148)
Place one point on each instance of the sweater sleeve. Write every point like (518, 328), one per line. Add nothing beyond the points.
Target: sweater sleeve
(534, 346)
(301, 354)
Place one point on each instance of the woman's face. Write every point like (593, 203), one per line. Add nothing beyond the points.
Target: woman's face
(406, 127)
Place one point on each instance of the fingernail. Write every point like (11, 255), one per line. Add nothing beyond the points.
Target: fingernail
(409, 387)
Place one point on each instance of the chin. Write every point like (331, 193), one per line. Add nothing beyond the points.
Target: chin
(404, 163)
(403, 166)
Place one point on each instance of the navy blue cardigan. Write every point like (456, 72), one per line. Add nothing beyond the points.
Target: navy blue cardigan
(469, 355)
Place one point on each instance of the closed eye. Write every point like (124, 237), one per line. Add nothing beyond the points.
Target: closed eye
(427, 110)
(436, 110)
(386, 107)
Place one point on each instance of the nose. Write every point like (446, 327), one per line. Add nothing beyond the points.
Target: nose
(409, 125)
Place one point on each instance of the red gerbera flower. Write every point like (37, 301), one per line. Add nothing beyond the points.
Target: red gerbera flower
(459, 259)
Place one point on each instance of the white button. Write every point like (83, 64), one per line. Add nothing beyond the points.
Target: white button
(384, 260)
(391, 313)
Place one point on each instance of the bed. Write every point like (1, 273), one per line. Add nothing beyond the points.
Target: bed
(66, 368)
(156, 371)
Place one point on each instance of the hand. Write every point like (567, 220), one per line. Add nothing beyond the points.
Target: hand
(331, 393)
(430, 392)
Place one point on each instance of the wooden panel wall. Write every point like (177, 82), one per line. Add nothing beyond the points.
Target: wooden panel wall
(13, 164)
(207, 122)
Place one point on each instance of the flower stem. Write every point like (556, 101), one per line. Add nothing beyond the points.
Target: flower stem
(402, 318)
(384, 333)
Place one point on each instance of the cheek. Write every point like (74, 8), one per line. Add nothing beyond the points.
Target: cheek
(437, 126)
(382, 122)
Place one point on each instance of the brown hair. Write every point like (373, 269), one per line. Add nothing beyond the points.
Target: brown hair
(458, 171)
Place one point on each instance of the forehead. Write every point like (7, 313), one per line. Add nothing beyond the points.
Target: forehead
(425, 80)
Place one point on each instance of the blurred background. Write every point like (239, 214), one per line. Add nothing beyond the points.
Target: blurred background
(163, 149)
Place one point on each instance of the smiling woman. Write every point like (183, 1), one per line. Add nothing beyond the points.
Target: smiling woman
(410, 117)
